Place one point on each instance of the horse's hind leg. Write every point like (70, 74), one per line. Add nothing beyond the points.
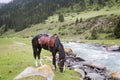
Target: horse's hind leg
(35, 55)
(39, 51)
(35, 50)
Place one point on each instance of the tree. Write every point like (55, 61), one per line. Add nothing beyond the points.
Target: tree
(76, 22)
(61, 18)
(91, 2)
(81, 20)
(117, 30)
(93, 34)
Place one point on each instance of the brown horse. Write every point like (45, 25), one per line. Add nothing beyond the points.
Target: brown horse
(51, 43)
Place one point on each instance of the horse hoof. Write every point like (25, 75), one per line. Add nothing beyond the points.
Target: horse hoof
(53, 68)
(36, 65)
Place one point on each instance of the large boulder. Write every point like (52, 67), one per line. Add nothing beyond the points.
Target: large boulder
(69, 52)
(115, 76)
(44, 71)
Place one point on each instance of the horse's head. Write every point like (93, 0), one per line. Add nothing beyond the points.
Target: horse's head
(61, 52)
(61, 65)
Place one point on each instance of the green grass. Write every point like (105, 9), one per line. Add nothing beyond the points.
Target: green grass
(104, 42)
(15, 57)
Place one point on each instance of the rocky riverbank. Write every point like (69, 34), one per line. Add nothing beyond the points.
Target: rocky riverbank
(89, 70)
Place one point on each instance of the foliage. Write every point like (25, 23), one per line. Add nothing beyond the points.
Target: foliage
(76, 22)
(117, 30)
(81, 20)
(61, 18)
(93, 34)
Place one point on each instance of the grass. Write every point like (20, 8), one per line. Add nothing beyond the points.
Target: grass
(16, 54)
(104, 42)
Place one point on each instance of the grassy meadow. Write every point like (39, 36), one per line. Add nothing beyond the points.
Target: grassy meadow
(16, 55)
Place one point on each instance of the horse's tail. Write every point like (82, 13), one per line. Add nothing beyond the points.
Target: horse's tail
(34, 47)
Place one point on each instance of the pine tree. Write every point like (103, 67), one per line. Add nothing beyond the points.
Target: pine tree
(76, 22)
(94, 34)
(81, 20)
(61, 18)
(117, 30)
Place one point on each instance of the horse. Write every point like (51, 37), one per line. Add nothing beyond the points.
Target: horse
(52, 44)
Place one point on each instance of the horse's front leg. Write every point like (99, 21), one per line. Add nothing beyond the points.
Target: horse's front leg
(54, 60)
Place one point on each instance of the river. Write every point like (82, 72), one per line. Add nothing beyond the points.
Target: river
(96, 53)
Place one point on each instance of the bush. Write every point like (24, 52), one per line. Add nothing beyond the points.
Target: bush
(61, 18)
(94, 34)
(81, 20)
(117, 30)
(76, 22)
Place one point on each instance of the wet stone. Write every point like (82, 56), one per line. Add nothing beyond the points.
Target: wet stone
(88, 70)
(115, 76)
(94, 76)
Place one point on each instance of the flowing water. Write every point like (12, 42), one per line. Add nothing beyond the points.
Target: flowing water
(96, 53)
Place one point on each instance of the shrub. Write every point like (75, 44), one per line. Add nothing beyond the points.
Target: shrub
(117, 30)
(81, 20)
(76, 22)
(94, 34)
(61, 18)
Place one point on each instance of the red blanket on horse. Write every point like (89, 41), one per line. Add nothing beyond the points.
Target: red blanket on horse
(47, 40)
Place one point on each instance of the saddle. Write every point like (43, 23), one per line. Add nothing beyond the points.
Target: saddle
(47, 40)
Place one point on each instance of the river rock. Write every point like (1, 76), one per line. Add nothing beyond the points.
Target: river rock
(94, 65)
(78, 59)
(113, 48)
(75, 65)
(81, 72)
(69, 52)
(115, 76)
(44, 71)
(73, 61)
(94, 76)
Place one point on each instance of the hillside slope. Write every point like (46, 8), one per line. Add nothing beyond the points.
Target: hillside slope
(102, 22)
(2, 4)
(83, 19)
(21, 14)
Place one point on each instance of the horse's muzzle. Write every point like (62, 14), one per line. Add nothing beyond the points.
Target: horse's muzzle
(61, 70)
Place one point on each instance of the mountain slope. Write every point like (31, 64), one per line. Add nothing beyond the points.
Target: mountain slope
(89, 14)
(102, 22)
(20, 14)
(2, 4)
